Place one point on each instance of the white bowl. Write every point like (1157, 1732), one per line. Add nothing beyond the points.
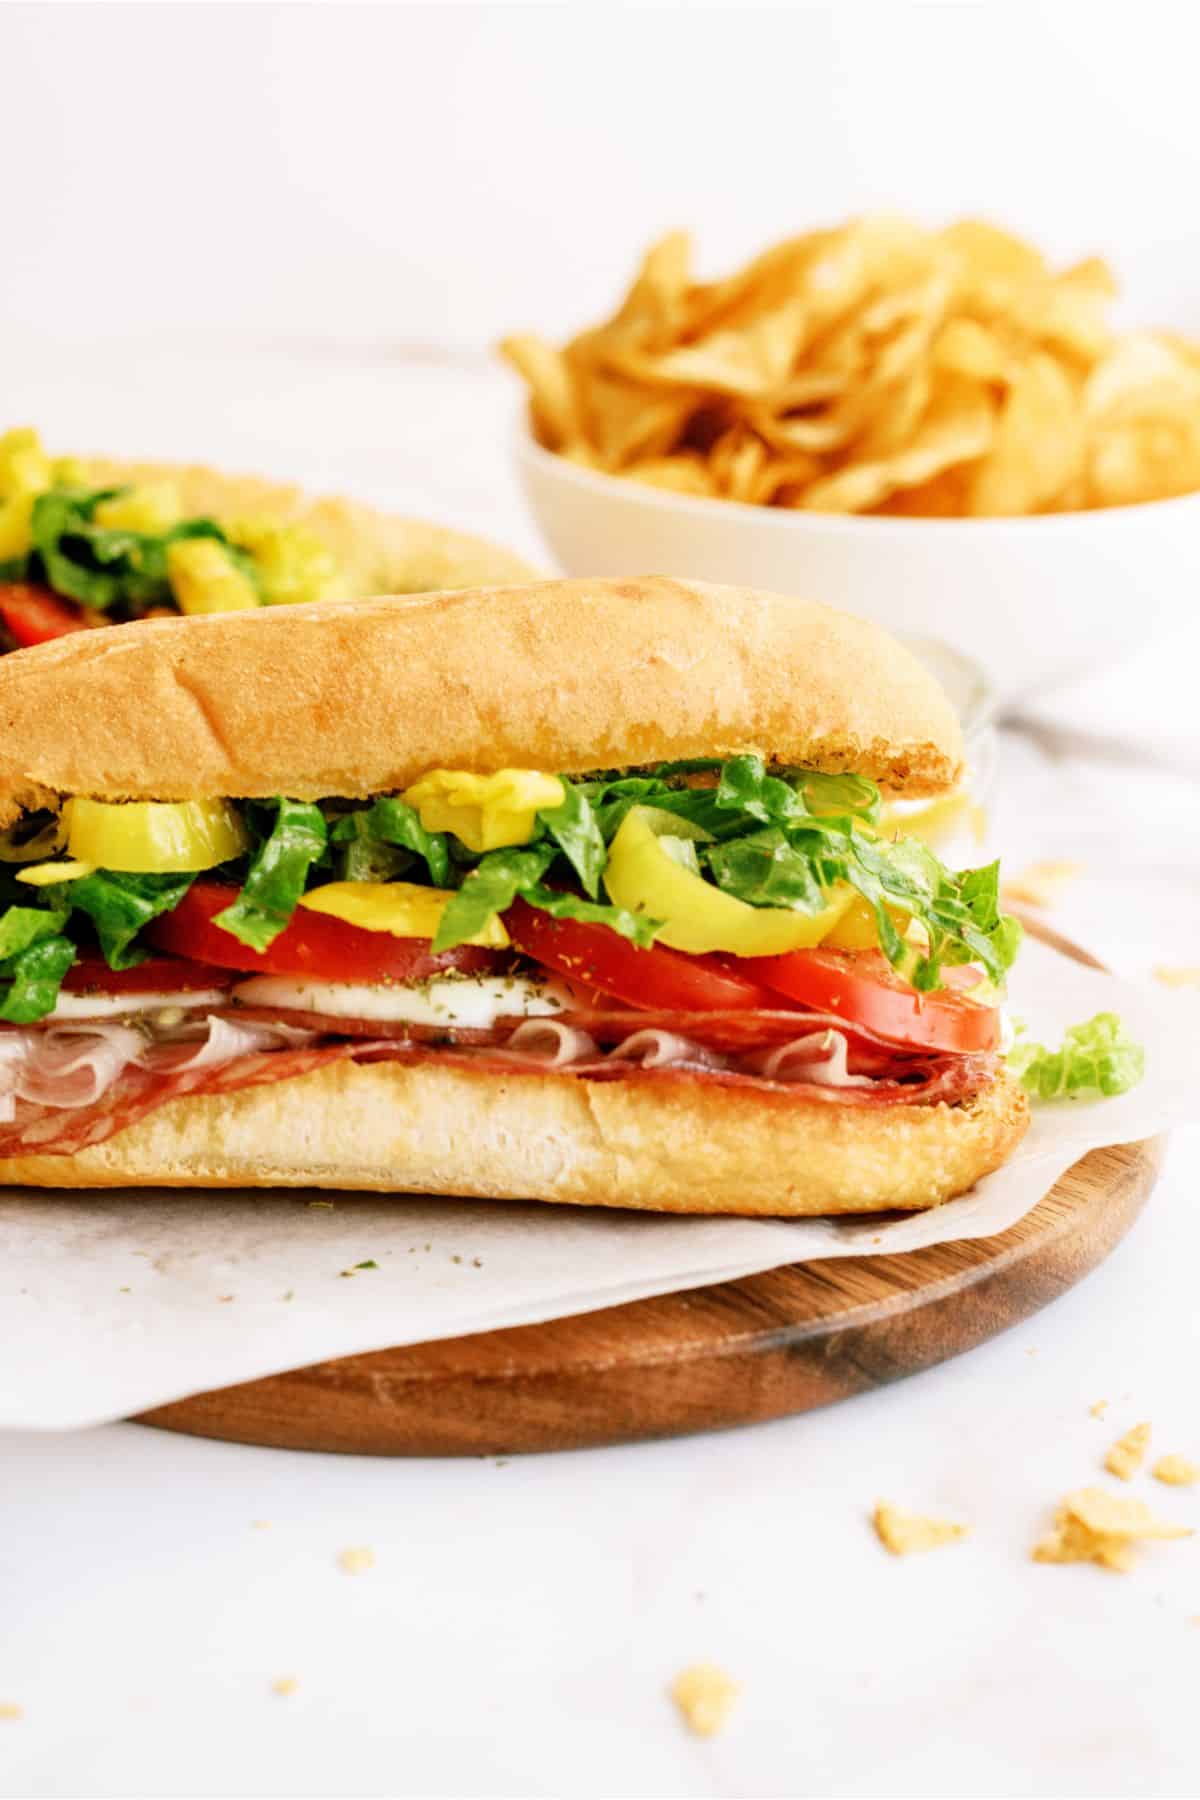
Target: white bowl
(1034, 601)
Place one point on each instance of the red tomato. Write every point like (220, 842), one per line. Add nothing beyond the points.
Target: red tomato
(34, 616)
(659, 979)
(862, 986)
(89, 973)
(311, 944)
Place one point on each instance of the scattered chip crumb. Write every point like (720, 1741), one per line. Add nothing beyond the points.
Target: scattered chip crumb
(1093, 1525)
(1098, 1408)
(705, 1695)
(1177, 975)
(1176, 1471)
(260, 1524)
(355, 1561)
(284, 1684)
(9, 1711)
(1042, 883)
(1129, 1452)
(901, 1532)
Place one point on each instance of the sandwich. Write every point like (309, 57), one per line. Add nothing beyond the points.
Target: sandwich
(576, 891)
(91, 541)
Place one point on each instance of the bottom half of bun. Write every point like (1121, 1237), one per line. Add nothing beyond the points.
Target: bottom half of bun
(680, 1146)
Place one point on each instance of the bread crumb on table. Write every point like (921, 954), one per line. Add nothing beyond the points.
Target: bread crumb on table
(284, 1684)
(705, 1696)
(1176, 1471)
(1094, 1525)
(902, 1532)
(8, 1710)
(355, 1561)
(1128, 1454)
(1098, 1408)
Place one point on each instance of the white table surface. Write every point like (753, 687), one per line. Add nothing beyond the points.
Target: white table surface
(522, 1619)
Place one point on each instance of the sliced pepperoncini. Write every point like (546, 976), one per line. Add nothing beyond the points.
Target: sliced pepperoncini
(651, 872)
(400, 907)
(154, 837)
(487, 812)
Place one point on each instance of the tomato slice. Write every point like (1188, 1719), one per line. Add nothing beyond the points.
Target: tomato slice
(89, 973)
(862, 986)
(658, 979)
(31, 615)
(311, 944)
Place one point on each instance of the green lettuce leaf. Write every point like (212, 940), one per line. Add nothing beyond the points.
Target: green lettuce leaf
(574, 828)
(629, 925)
(21, 926)
(277, 875)
(119, 906)
(764, 869)
(30, 979)
(103, 567)
(1095, 1058)
(386, 825)
(489, 888)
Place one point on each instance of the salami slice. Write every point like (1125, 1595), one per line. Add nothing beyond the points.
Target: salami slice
(61, 1131)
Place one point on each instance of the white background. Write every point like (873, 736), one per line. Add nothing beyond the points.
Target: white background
(387, 173)
(283, 238)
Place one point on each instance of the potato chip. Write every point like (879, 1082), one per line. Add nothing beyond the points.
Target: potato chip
(555, 403)
(875, 367)
(1176, 1471)
(1042, 883)
(1094, 1525)
(1127, 1455)
(958, 426)
(1038, 445)
(1178, 975)
(705, 1696)
(903, 1532)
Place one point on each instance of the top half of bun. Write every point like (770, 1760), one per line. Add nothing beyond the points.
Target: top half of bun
(359, 697)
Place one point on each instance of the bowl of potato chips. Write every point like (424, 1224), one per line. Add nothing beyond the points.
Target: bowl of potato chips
(932, 428)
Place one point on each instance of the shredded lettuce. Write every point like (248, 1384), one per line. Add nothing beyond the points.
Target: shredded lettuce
(105, 568)
(30, 979)
(772, 838)
(119, 906)
(35, 954)
(277, 875)
(493, 885)
(787, 839)
(388, 835)
(1098, 1057)
(574, 828)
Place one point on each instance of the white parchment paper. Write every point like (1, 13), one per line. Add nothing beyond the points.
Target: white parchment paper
(119, 1301)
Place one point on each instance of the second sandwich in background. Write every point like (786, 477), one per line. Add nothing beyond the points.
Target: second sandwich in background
(576, 891)
(88, 541)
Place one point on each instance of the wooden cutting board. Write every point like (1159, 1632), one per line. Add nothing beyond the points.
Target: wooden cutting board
(781, 1342)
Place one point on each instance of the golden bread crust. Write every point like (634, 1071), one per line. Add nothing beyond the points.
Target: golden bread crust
(360, 697)
(680, 1146)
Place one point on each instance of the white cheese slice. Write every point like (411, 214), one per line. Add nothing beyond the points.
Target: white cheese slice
(474, 1001)
(109, 1006)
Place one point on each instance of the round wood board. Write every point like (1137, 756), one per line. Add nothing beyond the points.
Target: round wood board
(781, 1342)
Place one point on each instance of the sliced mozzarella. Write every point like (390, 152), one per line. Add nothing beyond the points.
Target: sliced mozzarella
(474, 1001)
(110, 1006)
